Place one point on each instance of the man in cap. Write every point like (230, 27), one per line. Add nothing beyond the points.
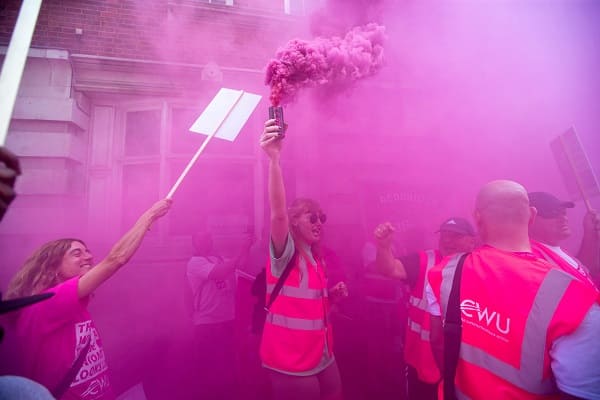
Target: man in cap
(504, 322)
(551, 226)
(456, 235)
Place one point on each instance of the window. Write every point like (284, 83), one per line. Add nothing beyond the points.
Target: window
(224, 2)
(181, 140)
(142, 133)
(301, 7)
(140, 185)
(155, 146)
(216, 194)
(140, 161)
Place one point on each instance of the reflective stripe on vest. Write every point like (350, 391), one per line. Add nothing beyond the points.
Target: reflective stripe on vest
(419, 330)
(298, 293)
(421, 303)
(530, 375)
(447, 277)
(417, 349)
(295, 323)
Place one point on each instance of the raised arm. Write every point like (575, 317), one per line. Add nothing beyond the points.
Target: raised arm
(385, 261)
(270, 141)
(223, 269)
(123, 250)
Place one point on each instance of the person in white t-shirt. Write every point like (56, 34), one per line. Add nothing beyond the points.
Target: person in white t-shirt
(212, 282)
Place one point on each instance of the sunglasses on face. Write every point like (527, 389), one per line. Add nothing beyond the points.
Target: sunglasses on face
(553, 213)
(314, 217)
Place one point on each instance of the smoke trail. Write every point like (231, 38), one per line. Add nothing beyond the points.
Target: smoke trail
(336, 62)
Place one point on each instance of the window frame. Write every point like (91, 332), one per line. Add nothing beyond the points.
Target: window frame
(163, 232)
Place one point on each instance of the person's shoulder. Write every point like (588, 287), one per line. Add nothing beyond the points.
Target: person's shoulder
(22, 388)
(64, 306)
(61, 290)
(288, 251)
(198, 260)
(199, 263)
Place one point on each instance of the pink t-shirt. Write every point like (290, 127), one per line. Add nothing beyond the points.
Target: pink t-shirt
(53, 333)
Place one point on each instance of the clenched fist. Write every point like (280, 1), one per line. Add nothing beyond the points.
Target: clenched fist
(384, 233)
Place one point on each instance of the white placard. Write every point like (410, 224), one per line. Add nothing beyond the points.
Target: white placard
(226, 114)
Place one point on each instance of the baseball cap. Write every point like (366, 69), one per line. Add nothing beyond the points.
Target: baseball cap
(15, 304)
(458, 225)
(548, 205)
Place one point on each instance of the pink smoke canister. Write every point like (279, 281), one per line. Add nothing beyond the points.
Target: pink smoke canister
(325, 61)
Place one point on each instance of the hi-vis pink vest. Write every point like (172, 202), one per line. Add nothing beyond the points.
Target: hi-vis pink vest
(296, 328)
(513, 307)
(558, 261)
(417, 349)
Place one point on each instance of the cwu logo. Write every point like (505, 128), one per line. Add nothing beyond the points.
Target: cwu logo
(472, 309)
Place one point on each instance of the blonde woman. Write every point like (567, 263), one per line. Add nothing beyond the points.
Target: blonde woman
(297, 346)
(60, 346)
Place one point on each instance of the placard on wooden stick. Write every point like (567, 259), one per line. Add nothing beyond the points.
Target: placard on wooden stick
(224, 118)
(226, 114)
(574, 165)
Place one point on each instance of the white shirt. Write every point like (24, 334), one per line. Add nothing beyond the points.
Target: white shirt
(433, 306)
(214, 300)
(576, 358)
(570, 260)
(560, 252)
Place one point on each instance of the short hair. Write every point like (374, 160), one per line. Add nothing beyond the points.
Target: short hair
(202, 242)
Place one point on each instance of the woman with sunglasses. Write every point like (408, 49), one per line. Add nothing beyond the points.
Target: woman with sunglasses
(296, 345)
(60, 346)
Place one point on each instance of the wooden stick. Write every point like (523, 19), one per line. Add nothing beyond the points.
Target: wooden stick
(201, 149)
(585, 198)
(14, 62)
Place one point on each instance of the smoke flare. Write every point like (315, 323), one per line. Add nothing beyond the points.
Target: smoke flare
(325, 61)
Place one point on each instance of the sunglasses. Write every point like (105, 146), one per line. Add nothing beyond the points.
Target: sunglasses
(314, 217)
(554, 213)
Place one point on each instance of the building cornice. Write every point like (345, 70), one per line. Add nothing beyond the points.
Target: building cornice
(131, 76)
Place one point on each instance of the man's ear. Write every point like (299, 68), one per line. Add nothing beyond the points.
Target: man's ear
(473, 241)
(477, 217)
(532, 214)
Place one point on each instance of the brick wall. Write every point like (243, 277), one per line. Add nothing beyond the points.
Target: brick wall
(192, 31)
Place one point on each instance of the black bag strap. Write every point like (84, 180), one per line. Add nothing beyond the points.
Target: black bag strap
(452, 332)
(281, 281)
(65, 383)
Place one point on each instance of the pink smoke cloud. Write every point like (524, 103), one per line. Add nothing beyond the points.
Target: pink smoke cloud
(325, 61)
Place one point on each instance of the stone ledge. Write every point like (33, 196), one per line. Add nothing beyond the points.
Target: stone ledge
(48, 145)
(48, 109)
(101, 74)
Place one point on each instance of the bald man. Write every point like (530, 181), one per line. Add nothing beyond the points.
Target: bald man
(524, 329)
